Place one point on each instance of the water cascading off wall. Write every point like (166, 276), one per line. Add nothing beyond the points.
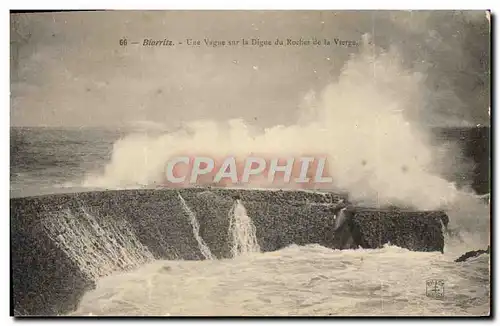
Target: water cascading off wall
(98, 245)
(242, 230)
(205, 250)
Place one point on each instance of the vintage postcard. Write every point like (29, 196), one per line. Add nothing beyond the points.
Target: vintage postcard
(250, 163)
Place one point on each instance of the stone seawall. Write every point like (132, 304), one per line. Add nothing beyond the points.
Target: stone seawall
(61, 244)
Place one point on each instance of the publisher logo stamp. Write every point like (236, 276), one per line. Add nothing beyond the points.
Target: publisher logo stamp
(435, 289)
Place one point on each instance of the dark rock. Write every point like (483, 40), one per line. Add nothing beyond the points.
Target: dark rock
(475, 146)
(471, 254)
(47, 282)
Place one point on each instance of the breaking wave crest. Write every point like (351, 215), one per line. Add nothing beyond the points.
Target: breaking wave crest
(366, 123)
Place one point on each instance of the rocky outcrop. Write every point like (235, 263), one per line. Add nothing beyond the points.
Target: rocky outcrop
(471, 254)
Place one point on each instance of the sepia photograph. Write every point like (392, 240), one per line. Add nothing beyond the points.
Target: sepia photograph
(250, 163)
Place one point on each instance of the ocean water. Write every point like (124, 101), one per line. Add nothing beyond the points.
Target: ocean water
(297, 280)
(52, 160)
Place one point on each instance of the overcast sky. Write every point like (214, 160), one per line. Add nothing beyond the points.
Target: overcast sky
(68, 69)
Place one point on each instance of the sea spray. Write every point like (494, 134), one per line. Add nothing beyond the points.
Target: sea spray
(98, 245)
(375, 147)
(242, 230)
(470, 223)
(205, 251)
(379, 146)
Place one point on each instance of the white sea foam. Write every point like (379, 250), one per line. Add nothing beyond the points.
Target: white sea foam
(298, 280)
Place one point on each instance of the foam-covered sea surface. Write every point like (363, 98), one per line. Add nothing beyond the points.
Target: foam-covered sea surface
(299, 280)
(296, 280)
